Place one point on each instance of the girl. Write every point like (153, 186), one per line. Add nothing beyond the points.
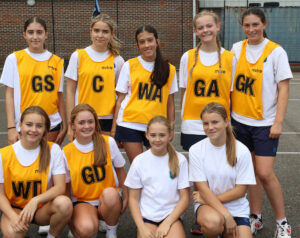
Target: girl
(93, 72)
(259, 102)
(206, 73)
(34, 76)
(224, 208)
(32, 179)
(145, 89)
(95, 168)
(158, 197)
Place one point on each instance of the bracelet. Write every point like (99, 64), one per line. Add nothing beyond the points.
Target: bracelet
(8, 128)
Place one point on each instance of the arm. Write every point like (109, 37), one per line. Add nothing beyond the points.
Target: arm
(70, 100)
(121, 177)
(134, 197)
(233, 194)
(13, 134)
(182, 91)
(171, 112)
(282, 102)
(120, 99)
(182, 205)
(62, 112)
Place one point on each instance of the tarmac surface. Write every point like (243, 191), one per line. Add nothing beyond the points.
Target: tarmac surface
(287, 168)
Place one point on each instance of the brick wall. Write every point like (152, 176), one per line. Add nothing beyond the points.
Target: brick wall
(171, 18)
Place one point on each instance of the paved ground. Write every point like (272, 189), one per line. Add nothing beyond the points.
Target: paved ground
(287, 168)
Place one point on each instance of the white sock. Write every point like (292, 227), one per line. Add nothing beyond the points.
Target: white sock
(50, 236)
(111, 230)
(258, 216)
(279, 222)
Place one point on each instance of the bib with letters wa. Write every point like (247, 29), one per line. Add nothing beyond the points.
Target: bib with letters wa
(246, 97)
(22, 183)
(146, 99)
(96, 83)
(207, 85)
(39, 81)
(88, 181)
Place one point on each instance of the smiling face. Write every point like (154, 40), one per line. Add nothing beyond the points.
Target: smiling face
(254, 29)
(84, 127)
(35, 35)
(101, 35)
(147, 45)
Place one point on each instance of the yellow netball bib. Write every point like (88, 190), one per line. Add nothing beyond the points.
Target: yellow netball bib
(88, 181)
(146, 99)
(39, 81)
(96, 83)
(22, 183)
(246, 97)
(207, 85)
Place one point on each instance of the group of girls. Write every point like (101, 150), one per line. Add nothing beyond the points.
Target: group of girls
(134, 103)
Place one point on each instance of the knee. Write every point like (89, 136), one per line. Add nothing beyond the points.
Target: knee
(110, 198)
(63, 205)
(86, 228)
(211, 225)
(265, 176)
(9, 233)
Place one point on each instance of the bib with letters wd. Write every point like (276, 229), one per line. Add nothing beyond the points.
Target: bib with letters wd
(207, 85)
(88, 181)
(96, 83)
(246, 97)
(39, 81)
(22, 183)
(146, 99)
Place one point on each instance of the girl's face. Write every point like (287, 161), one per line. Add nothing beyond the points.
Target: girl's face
(206, 29)
(35, 35)
(215, 128)
(147, 45)
(253, 29)
(32, 130)
(84, 127)
(101, 36)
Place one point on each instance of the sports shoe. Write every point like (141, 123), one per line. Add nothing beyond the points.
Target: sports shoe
(43, 230)
(102, 226)
(255, 223)
(196, 229)
(283, 230)
(111, 236)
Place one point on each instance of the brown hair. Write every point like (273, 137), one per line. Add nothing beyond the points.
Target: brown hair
(37, 20)
(230, 138)
(114, 44)
(100, 151)
(217, 21)
(44, 151)
(257, 12)
(173, 158)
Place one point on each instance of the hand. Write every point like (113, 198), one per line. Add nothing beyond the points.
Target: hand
(163, 229)
(197, 198)
(145, 232)
(28, 211)
(124, 205)
(61, 136)
(275, 130)
(17, 225)
(13, 135)
(230, 226)
(70, 134)
(112, 133)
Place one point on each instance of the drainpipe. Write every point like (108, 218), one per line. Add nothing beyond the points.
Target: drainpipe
(194, 14)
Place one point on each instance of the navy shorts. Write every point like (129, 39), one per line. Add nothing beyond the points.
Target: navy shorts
(124, 134)
(256, 138)
(187, 140)
(57, 128)
(105, 124)
(156, 223)
(242, 221)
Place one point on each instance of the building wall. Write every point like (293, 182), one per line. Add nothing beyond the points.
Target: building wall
(171, 18)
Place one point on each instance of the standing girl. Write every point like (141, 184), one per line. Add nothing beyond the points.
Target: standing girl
(32, 179)
(158, 197)
(34, 76)
(95, 169)
(145, 89)
(221, 168)
(259, 102)
(93, 72)
(206, 73)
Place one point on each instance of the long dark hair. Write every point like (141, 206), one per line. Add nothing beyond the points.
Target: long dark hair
(257, 12)
(38, 20)
(161, 70)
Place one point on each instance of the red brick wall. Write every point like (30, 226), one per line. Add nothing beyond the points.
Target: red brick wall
(171, 18)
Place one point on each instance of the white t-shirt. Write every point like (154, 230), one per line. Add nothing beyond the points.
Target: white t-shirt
(159, 192)
(117, 161)
(72, 70)
(209, 163)
(195, 127)
(275, 69)
(10, 78)
(123, 86)
(28, 157)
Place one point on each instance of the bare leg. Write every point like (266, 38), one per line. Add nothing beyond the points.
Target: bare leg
(133, 149)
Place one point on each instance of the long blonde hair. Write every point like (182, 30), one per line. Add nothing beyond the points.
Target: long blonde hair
(217, 21)
(173, 158)
(230, 138)
(100, 151)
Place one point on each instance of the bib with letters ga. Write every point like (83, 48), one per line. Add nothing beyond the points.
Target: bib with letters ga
(146, 99)
(207, 85)
(96, 83)
(88, 181)
(39, 81)
(246, 97)
(22, 183)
